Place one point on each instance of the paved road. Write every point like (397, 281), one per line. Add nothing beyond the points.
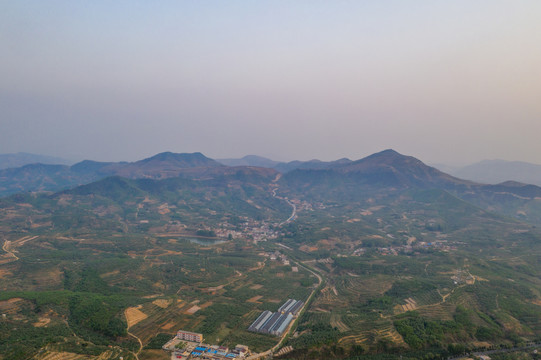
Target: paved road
(293, 212)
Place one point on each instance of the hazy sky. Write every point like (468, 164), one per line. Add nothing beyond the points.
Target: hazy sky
(445, 81)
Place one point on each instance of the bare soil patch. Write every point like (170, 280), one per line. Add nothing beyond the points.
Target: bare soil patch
(43, 321)
(134, 315)
(254, 299)
(307, 248)
(256, 287)
(206, 305)
(116, 272)
(193, 310)
(163, 303)
(152, 296)
(168, 326)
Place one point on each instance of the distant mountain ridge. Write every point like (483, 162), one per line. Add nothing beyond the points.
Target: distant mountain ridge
(44, 177)
(21, 158)
(283, 167)
(499, 171)
(250, 160)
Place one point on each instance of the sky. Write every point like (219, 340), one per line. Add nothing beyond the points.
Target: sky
(450, 82)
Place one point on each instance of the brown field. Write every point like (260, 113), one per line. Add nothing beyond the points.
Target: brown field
(134, 315)
(258, 286)
(254, 299)
(166, 320)
(151, 296)
(171, 252)
(163, 209)
(260, 265)
(168, 326)
(206, 305)
(116, 272)
(163, 303)
(193, 310)
(159, 285)
(481, 344)
(306, 248)
(43, 321)
(409, 306)
(214, 288)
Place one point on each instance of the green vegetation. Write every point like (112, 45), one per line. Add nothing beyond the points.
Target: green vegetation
(407, 271)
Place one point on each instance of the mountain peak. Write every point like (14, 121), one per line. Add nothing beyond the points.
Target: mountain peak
(389, 157)
(392, 168)
(171, 156)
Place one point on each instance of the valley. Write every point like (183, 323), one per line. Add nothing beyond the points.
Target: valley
(392, 258)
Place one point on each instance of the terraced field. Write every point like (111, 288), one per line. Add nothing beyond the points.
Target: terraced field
(53, 355)
(374, 331)
(442, 311)
(361, 289)
(336, 322)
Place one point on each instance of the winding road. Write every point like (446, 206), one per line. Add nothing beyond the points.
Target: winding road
(294, 207)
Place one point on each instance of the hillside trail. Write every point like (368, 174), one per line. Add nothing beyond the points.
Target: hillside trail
(9, 246)
(6, 249)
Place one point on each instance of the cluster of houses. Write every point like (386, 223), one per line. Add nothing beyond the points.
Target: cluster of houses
(249, 229)
(277, 256)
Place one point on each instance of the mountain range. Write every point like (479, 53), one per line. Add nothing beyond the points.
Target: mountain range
(499, 171)
(386, 171)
